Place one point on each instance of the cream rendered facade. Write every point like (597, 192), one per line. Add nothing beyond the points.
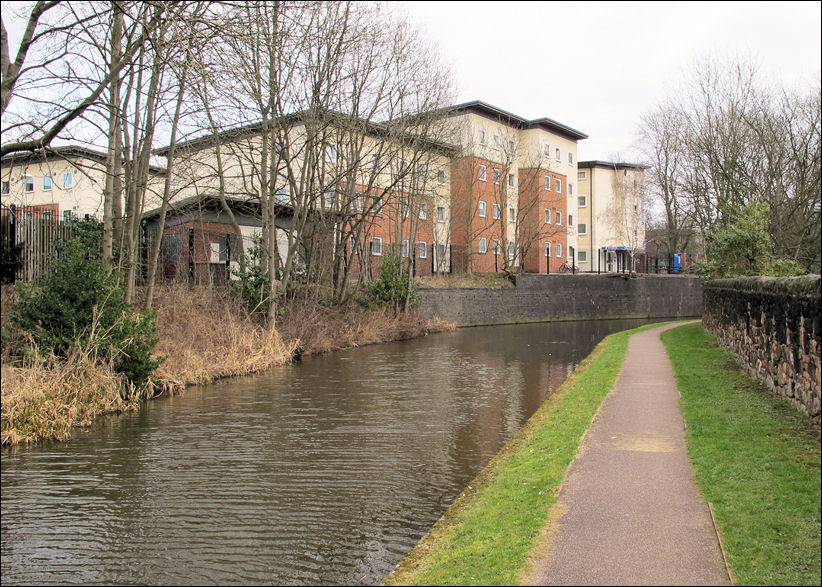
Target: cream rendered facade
(609, 215)
(67, 182)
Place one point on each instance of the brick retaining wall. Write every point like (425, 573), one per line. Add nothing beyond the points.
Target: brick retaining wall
(772, 325)
(551, 298)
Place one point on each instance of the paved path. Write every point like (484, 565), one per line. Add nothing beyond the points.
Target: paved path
(632, 514)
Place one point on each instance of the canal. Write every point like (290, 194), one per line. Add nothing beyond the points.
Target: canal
(320, 473)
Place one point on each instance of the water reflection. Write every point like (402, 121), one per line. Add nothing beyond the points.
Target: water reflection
(325, 472)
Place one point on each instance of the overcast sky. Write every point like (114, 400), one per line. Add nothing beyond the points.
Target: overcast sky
(598, 66)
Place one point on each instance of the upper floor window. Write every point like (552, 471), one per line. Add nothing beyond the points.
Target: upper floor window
(423, 212)
(483, 173)
(495, 141)
(570, 158)
(481, 208)
(440, 213)
(483, 245)
(46, 183)
(497, 176)
(511, 146)
(328, 200)
(546, 150)
(497, 211)
(441, 177)
(68, 180)
(570, 189)
(5, 188)
(512, 214)
(512, 180)
(559, 155)
(28, 184)
(330, 154)
(582, 201)
(376, 246)
(375, 162)
(582, 228)
(582, 175)
(511, 249)
(422, 249)
(406, 247)
(570, 219)
(547, 216)
(559, 217)
(559, 186)
(481, 137)
(548, 182)
(422, 171)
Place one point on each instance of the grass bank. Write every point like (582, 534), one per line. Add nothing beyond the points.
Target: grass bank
(487, 535)
(756, 458)
(204, 335)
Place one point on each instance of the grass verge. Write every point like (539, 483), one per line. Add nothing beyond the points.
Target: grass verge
(756, 457)
(488, 534)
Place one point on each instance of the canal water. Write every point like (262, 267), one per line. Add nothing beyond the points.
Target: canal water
(321, 473)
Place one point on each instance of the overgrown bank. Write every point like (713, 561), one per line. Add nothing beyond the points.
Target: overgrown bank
(487, 535)
(203, 334)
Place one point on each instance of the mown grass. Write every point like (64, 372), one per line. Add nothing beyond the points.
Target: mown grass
(756, 458)
(487, 535)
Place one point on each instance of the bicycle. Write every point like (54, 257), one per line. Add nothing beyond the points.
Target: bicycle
(565, 268)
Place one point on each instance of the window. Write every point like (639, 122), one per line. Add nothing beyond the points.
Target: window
(405, 247)
(512, 181)
(68, 180)
(511, 146)
(582, 256)
(582, 175)
(281, 196)
(512, 214)
(46, 183)
(441, 177)
(5, 188)
(405, 211)
(497, 211)
(423, 212)
(547, 249)
(375, 162)
(483, 245)
(328, 200)
(497, 176)
(559, 155)
(582, 201)
(422, 250)
(570, 158)
(548, 182)
(546, 150)
(404, 167)
(483, 173)
(66, 215)
(559, 249)
(570, 219)
(330, 154)
(28, 184)
(441, 252)
(482, 208)
(376, 246)
(559, 217)
(511, 250)
(495, 142)
(440, 213)
(547, 216)
(582, 228)
(570, 189)
(377, 207)
(496, 246)
(422, 171)
(559, 186)
(481, 137)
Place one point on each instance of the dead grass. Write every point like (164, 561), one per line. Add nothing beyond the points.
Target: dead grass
(466, 280)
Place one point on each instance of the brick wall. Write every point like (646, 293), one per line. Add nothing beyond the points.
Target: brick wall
(551, 298)
(772, 325)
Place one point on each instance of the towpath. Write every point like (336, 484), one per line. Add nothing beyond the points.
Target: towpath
(630, 510)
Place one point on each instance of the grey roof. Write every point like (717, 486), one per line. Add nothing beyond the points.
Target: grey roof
(609, 165)
(63, 152)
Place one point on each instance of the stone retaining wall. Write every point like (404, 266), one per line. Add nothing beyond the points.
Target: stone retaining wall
(551, 298)
(772, 325)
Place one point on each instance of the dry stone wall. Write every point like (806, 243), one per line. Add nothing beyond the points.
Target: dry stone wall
(772, 325)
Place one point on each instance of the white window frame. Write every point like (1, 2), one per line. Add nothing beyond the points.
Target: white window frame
(548, 249)
(570, 158)
(482, 209)
(582, 201)
(548, 215)
(559, 250)
(582, 228)
(441, 177)
(481, 138)
(422, 250)
(559, 186)
(582, 256)
(376, 246)
(570, 189)
(546, 150)
(548, 183)
(423, 213)
(559, 154)
(495, 142)
(68, 180)
(497, 210)
(511, 146)
(512, 214)
(5, 188)
(570, 219)
(512, 251)
(497, 175)
(497, 247)
(28, 180)
(559, 218)
(582, 175)
(482, 173)
(50, 184)
(330, 154)
(422, 171)
(406, 247)
(512, 180)
(483, 245)
(440, 213)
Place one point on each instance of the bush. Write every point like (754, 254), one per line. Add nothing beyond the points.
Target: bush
(79, 306)
(394, 285)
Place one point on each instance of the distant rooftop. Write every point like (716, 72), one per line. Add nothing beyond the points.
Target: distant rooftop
(609, 165)
(62, 152)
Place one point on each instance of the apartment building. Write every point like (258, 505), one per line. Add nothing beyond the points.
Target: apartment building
(610, 232)
(61, 182)
(512, 190)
